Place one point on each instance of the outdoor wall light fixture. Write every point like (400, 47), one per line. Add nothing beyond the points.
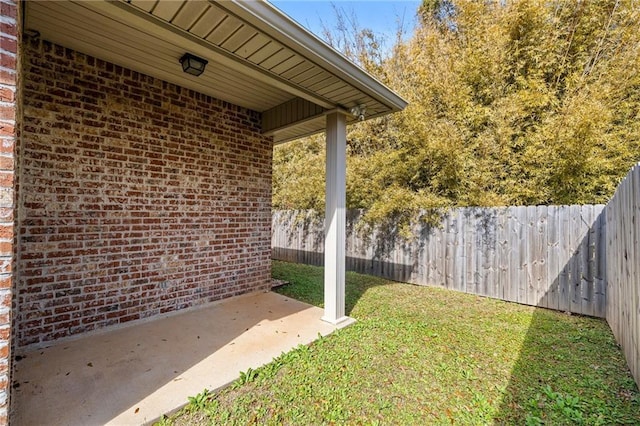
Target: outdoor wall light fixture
(359, 112)
(192, 64)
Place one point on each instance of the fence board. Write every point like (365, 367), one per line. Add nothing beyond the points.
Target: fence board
(449, 258)
(478, 236)
(553, 265)
(438, 261)
(574, 262)
(600, 274)
(430, 255)
(588, 275)
(459, 247)
(467, 255)
(489, 258)
(565, 250)
(514, 254)
(501, 255)
(540, 280)
(523, 251)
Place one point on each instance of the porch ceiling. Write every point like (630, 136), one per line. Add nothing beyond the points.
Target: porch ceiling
(258, 57)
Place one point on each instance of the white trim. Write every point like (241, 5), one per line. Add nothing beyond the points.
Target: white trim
(276, 24)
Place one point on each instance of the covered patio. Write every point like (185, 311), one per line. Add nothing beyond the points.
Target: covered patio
(135, 374)
(139, 138)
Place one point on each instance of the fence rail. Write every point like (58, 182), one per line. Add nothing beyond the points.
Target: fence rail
(548, 256)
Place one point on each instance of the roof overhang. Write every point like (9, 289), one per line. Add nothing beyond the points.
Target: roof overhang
(258, 57)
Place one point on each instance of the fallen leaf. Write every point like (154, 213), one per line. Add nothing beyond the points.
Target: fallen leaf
(89, 364)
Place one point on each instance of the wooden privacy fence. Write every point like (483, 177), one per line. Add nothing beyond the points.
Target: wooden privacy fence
(623, 268)
(548, 256)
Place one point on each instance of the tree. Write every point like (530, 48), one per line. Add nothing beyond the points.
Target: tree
(510, 103)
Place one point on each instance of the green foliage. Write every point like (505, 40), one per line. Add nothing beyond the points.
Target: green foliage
(510, 103)
(246, 377)
(551, 407)
(298, 175)
(199, 402)
(164, 421)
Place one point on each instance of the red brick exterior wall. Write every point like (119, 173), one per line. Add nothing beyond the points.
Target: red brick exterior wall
(9, 30)
(136, 197)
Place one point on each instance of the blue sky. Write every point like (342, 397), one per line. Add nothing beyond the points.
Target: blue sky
(379, 15)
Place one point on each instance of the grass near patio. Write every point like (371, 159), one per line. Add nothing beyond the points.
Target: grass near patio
(421, 355)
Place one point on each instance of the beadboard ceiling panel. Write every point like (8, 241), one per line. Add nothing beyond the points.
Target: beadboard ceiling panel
(190, 13)
(153, 56)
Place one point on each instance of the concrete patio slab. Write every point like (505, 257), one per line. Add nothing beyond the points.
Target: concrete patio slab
(135, 374)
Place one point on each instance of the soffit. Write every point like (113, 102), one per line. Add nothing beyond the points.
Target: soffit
(258, 57)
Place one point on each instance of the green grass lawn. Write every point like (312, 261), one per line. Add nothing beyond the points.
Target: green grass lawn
(421, 355)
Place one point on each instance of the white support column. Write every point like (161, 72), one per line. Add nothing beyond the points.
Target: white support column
(335, 234)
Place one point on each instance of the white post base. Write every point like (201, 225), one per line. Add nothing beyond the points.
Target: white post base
(340, 322)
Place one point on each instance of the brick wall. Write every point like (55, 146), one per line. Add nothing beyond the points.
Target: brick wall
(9, 23)
(137, 197)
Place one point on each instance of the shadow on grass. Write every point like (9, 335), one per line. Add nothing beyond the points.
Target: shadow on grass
(569, 370)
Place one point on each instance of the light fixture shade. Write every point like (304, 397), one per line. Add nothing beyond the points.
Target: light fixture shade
(192, 64)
